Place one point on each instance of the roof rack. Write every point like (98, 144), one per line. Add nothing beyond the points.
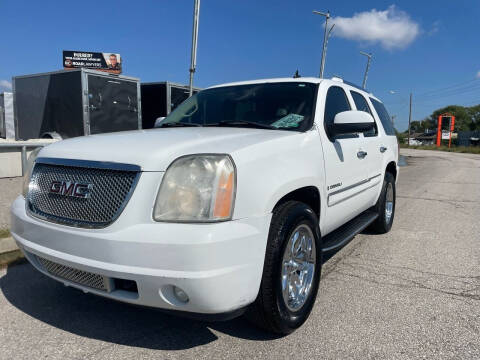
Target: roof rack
(338, 78)
(355, 86)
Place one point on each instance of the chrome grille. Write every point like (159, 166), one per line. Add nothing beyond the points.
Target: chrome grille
(110, 191)
(80, 277)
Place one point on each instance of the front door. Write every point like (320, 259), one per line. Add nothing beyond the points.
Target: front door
(346, 169)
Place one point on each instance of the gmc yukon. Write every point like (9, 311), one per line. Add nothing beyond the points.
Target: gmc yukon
(227, 207)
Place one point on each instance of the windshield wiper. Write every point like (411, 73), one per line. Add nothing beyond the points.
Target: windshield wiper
(177, 124)
(243, 123)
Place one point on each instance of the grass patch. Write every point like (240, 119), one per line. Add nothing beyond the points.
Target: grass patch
(458, 149)
(4, 233)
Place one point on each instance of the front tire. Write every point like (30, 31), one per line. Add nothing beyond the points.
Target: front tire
(385, 206)
(291, 272)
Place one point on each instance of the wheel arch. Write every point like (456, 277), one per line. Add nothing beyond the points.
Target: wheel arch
(392, 168)
(309, 195)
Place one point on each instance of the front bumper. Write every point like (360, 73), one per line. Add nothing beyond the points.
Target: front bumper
(219, 266)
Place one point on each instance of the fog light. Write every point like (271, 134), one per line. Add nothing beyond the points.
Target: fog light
(180, 294)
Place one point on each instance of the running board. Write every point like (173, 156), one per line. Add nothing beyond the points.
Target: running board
(347, 232)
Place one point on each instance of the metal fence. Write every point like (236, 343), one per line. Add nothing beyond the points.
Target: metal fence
(23, 146)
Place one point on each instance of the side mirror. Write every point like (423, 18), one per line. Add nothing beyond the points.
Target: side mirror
(158, 121)
(351, 122)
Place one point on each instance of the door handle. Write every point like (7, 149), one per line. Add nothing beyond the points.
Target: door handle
(361, 154)
(383, 149)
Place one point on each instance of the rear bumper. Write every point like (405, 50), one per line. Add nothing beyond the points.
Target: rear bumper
(218, 265)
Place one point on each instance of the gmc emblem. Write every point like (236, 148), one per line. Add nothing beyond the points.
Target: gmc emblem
(70, 188)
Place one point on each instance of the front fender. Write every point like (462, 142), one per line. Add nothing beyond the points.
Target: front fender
(267, 172)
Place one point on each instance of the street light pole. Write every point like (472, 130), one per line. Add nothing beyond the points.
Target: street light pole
(409, 119)
(193, 63)
(393, 119)
(369, 56)
(325, 39)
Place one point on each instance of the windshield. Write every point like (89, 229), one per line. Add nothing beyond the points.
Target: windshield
(286, 106)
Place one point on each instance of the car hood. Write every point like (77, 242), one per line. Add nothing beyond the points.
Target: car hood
(155, 149)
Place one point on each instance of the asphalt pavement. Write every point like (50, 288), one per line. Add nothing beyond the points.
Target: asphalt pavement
(413, 293)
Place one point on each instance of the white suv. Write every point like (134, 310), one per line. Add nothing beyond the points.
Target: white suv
(227, 207)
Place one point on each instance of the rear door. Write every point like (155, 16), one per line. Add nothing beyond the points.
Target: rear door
(112, 104)
(372, 142)
(345, 171)
(388, 145)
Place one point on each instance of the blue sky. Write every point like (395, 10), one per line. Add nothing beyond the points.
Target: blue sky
(421, 46)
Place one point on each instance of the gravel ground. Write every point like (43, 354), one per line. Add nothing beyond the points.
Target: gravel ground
(10, 188)
(413, 293)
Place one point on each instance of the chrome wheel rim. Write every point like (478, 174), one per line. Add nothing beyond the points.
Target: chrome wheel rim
(298, 267)
(389, 203)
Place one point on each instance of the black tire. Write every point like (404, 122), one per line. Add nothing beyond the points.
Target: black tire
(269, 311)
(383, 225)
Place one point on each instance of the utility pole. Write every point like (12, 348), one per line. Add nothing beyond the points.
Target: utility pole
(326, 44)
(409, 119)
(369, 56)
(193, 63)
(393, 120)
(325, 39)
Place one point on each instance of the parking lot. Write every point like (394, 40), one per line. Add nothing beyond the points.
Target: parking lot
(412, 293)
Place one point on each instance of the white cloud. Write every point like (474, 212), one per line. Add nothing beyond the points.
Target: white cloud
(5, 84)
(392, 28)
(435, 28)
(478, 75)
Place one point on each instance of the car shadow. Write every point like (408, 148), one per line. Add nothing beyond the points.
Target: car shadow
(107, 320)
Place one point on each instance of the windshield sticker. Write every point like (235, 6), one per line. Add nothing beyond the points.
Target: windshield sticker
(289, 121)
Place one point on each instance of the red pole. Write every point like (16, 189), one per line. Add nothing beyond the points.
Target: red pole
(452, 125)
(450, 133)
(439, 131)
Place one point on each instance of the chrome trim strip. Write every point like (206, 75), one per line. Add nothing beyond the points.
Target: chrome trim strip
(351, 187)
(104, 165)
(348, 187)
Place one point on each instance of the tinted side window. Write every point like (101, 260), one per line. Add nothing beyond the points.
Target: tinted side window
(335, 102)
(360, 102)
(362, 105)
(384, 117)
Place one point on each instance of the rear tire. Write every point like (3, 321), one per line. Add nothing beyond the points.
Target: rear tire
(280, 308)
(385, 207)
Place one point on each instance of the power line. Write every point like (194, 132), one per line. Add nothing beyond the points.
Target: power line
(447, 87)
(473, 88)
(449, 95)
(472, 103)
(451, 92)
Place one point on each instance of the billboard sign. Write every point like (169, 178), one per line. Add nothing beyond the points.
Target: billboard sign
(110, 62)
(445, 135)
(446, 125)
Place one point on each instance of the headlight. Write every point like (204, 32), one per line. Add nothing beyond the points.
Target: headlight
(197, 188)
(28, 170)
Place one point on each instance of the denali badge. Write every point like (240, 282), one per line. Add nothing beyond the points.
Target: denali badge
(334, 186)
(70, 188)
